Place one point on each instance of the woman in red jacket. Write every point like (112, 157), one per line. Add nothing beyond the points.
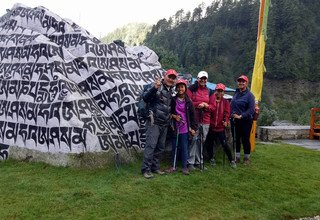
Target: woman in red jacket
(200, 95)
(218, 121)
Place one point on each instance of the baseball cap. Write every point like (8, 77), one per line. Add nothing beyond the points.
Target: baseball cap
(243, 77)
(220, 86)
(181, 81)
(202, 74)
(171, 72)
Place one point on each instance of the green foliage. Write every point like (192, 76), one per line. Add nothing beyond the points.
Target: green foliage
(267, 116)
(223, 42)
(168, 59)
(223, 38)
(298, 111)
(281, 183)
(132, 34)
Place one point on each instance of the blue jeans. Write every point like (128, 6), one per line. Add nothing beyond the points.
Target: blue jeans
(182, 150)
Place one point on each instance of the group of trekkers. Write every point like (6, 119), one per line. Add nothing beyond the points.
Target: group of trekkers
(193, 117)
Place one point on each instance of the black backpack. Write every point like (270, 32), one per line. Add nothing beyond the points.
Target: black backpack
(143, 107)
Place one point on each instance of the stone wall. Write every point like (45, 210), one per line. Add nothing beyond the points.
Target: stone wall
(271, 133)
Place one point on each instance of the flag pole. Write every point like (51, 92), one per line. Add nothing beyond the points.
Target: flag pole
(259, 68)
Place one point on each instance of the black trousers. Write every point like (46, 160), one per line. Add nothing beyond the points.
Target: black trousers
(241, 133)
(211, 144)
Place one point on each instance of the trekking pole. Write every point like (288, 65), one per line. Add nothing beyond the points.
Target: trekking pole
(176, 150)
(200, 144)
(224, 153)
(201, 139)
(223, 158)
(177, 142)
(234, 138)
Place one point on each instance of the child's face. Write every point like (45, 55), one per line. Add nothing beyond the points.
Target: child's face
(219, 93)
(181, 89)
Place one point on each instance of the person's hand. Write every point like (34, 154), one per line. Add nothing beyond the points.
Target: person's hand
(226, 124)
(192, 132)
(157, 83)
(203, 105)
(177, 117)
(236, 116)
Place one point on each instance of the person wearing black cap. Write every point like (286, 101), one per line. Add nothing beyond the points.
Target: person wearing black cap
(159, 96)
(242, 111)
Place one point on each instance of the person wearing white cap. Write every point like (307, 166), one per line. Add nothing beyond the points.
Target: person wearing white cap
(200, 96)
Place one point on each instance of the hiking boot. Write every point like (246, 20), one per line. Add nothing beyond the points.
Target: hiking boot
(191, 167)
(247, 161)
(171, 170)
(213, 162)
(233, 165)
(200, 167)
(158, 172)
(148, 175)
(237, 159)
(185, 171)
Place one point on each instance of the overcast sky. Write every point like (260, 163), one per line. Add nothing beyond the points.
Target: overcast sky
(100, 17)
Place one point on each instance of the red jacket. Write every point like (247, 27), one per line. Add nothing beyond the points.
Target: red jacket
(219, 115)
(199, 96)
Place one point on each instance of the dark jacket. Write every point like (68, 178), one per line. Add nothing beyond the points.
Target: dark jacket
(190, 111)
(160, 103)
(243, 104)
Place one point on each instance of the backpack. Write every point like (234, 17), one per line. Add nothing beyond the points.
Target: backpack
(143, 107)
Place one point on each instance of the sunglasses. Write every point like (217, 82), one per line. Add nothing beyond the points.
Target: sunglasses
(219, 90)
(203, 78)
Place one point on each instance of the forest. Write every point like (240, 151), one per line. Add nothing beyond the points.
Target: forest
(221, 39)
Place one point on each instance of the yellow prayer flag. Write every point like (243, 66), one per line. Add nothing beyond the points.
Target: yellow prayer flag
(259, 68)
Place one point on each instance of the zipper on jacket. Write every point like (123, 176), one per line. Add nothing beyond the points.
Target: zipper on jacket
(218, 106)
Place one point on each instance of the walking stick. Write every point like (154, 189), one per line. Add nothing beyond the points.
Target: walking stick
(201, 139)
(177, 142)
(234, 138)
(176, 150)
(224, 158)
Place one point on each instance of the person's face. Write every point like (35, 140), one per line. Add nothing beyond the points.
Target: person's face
(202, 81)
(169, 80)
(219, 93)
(181, 89)
(242, 84)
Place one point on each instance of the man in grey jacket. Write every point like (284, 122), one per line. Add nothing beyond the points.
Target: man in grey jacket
(158, 95)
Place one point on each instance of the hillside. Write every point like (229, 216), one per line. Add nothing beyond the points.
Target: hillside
(222, 40)
(131, 34)
(289, 100)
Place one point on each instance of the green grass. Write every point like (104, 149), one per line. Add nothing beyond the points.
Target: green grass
(283, 182)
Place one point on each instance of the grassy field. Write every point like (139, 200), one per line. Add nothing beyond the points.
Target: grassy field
(283, 182)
